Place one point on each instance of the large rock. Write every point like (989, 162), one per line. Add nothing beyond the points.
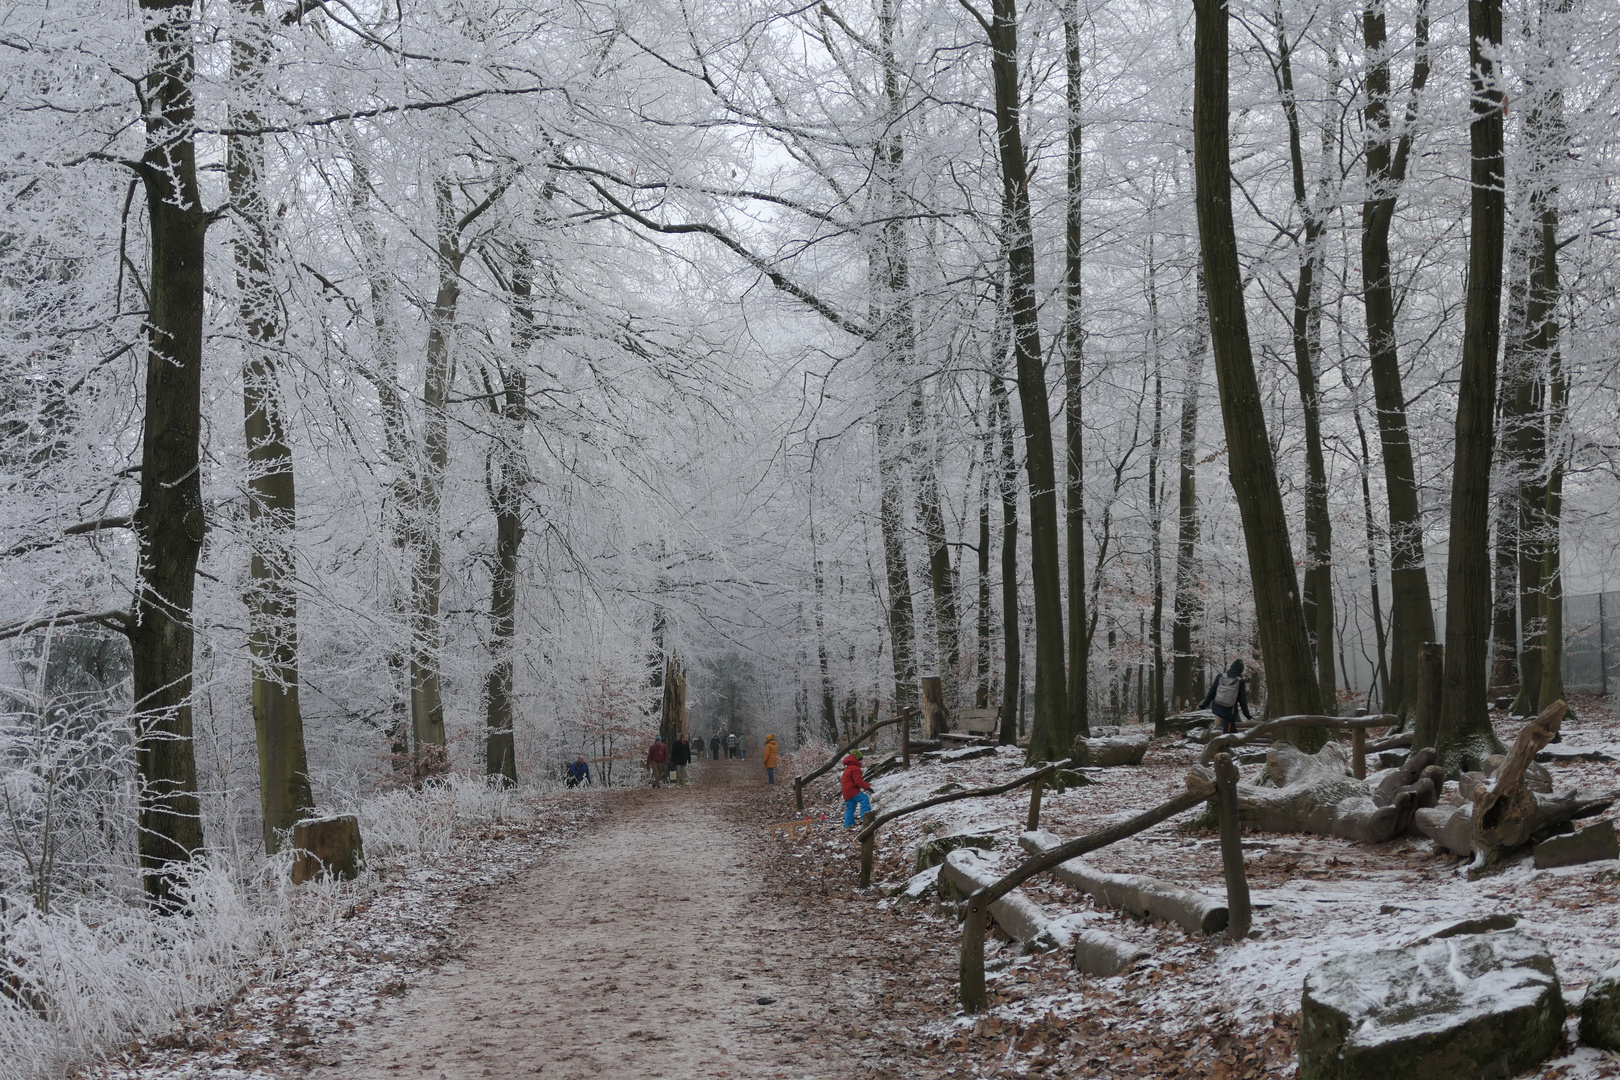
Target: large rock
(1477, 1007)
(1591, 844)
(1600, 1011)
(1110, 750)
(931, 850)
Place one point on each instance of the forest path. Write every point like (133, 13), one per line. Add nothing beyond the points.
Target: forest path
(643, 949)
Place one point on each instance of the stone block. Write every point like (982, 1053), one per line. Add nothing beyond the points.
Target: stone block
(1591, 844)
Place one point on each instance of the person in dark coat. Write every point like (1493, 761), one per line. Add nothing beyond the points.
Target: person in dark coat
(579, 772)
(680, 756)
(714, 747)
(1227, 694)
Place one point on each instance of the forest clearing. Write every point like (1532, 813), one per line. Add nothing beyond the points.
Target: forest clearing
(476, 477)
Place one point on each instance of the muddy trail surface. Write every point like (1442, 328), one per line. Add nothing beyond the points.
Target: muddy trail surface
(650, 946)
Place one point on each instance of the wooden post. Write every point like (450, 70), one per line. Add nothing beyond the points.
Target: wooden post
(1035, 804)
(905, 739)
(798, 793)
(1358, 753)
(1237, 887)
(868, 842)
(933, 705)
(1431, 660)
(971, 974)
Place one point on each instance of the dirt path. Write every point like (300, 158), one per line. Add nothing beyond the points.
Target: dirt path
(643, 949)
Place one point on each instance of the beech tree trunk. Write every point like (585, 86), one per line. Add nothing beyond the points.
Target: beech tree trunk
(1412, 611)
(1381, 664)
(1317, 601)
(829, 710)
(1074, 387)
(272, 602)
(168, 520)
(1013, 679)
(981, 695)
(1466, 738)
(1290, 671)
(1510, 398)
(1188, 604)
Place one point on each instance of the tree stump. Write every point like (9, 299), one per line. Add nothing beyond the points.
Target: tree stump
(327, 847)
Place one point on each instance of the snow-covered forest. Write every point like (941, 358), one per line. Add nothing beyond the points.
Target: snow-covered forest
(395, 391)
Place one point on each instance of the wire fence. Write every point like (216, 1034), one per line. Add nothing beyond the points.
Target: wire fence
(1592, 643)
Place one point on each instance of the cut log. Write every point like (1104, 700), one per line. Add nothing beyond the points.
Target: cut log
(1315, 793)
(1104, 955)
(327, 847)
(1110, 751)
(1022, 919)
(1144, 897)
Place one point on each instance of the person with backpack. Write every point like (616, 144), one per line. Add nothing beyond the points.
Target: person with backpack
(731, 745)
(579, 772)
(1227, 694)
(855, 787)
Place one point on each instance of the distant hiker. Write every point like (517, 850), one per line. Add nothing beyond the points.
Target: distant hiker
(770, 759)
(1227, 694)
(731, 745)
(855, 789)
(680, 756)
(579, 772)
(714, 746)
(658, 760)
(697, 748)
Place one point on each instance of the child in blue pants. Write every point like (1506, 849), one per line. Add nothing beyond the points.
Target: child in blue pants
(855, 788)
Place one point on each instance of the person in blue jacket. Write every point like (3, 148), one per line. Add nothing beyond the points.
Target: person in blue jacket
(1227, 694)
(579, 772)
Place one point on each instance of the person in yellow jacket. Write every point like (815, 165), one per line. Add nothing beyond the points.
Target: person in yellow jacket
(770, 759)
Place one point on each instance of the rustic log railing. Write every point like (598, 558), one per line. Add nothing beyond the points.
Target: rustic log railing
(904, 720)
(973, 994)
(1356, 725)
(868, 835)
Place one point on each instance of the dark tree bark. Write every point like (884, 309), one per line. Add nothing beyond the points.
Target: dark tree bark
(1381, 663)
(1154, 709)
(1074, 386)
(981, 696)
(508, 475)
(1412, 610)
(1050, 733)
(1187, 605)
(1510, 421)
(1306, 326)
(272, 602)
(1466, 738)
(941, 577)
(1290, 671)
(829, 714)
(168, 521)
(1013, 680)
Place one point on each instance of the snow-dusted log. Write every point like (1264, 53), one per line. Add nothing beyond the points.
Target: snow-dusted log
(1314, 793)
(1110, 750)
(1104, 955)
(1452, 827)
(1144, 897)
(967, 872)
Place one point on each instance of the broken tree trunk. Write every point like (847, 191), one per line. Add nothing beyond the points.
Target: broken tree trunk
(1142, 896)
(1315, 793)
(935, 715)
(1505, 810)
(327, 847)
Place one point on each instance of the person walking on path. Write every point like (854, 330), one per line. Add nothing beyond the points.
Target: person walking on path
(731, 745)
(579, 772)
(1227, 694)
(855, 788)
(714, 747)
(680, 756)
(658, 760)
(770, 759)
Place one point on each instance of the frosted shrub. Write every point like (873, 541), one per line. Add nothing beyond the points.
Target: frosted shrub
(427, 820)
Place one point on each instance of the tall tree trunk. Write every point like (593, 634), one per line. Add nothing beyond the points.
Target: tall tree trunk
(1318, 594)
(1155, 634)
(1552, 656)
(1466, 737)
(1187, 604)
(1381, 663)
(272, 602)
(1012, 681)
(1074, 384)
(829, 713)
(1051, 735)
(1511, 397)
(169, 522)
(1290, 672)
(1412, 610)
(941, 577)
(508, 475)
(981, 697)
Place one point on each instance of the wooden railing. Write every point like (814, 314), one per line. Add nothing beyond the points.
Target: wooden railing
(868, 835)
(1356, 725)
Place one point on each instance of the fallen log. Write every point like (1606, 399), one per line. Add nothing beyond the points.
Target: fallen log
(1022, 918)
(1110, 750)
(1142, 896)
(1313, 793)
(1452, 827)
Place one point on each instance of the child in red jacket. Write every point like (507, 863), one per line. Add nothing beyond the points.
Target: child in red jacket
(855, 789)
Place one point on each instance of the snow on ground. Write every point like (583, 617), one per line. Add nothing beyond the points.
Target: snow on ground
(1315, 897)
(358, 943)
